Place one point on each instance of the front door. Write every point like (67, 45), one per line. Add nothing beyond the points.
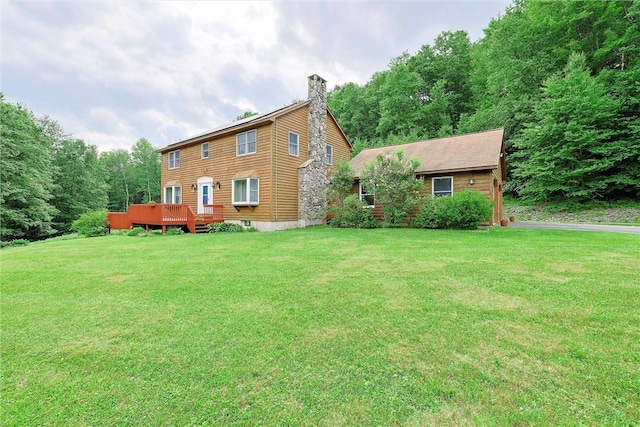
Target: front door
(205, 195)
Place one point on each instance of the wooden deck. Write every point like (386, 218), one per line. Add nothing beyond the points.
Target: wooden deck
(165, 215)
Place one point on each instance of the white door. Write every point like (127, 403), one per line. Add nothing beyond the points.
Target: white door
(205, 195)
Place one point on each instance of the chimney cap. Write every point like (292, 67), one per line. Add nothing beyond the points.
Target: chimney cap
(317, 77)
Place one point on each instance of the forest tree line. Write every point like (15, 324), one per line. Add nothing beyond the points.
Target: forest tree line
(49, 178)
(562, 79)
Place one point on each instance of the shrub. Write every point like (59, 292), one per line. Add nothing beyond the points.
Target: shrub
(91, 224)
(19, 242)
(174, 231)
(426, 216)
(464, 210)
(354, 215)
(225, 227)
(137, 231)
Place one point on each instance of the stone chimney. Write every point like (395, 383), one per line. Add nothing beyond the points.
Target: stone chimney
(312, 176)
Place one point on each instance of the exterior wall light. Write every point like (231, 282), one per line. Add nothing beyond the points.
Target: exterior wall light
(471, 180)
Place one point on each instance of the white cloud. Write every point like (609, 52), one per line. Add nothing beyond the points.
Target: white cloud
(113, 72)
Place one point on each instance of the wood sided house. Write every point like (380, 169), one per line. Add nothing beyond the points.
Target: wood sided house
(268, 171)
(472, 161)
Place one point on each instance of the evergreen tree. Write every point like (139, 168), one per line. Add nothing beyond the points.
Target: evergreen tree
(571, 147)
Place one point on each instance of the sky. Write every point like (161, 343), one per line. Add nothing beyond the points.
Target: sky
(112, 72)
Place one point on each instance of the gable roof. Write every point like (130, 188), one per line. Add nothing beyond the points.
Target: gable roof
(246, 123)
(474, 151)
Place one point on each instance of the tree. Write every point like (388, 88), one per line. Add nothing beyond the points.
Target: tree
(391, 176)
(145, 172)
(246, 114)
(26, 174)
(340, 186)
(80, 181)
(118, 167)
(570, 148)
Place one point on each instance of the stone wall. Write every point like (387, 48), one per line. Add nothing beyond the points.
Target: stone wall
(312, 176)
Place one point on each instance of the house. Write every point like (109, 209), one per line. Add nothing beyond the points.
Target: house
(268, 171)
(472, 161)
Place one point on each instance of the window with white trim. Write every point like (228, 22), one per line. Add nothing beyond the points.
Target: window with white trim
(204, 150)
(173, 194)
(246, 143)
(174, 159)
(293, 143)
(442, 186)
(329, 155)
(245, 191)
(366, 197)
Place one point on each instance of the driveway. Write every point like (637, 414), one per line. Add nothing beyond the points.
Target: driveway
(580, 227)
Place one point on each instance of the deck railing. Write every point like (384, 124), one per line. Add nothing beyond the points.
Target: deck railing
(211, 213)
(164, 214)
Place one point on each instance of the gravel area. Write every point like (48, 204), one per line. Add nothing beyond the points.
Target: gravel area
(593, 216)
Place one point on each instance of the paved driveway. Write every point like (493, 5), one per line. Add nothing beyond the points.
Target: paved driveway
(582, 227)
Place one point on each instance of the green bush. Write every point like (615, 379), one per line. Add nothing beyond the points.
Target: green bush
(137, 231)
(19, 242)
(91, 224)
(174, 231)
(426, 216)
(354, 215)
(225, 227)
(464, 210)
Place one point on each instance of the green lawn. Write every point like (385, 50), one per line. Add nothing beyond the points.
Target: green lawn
(323, 327)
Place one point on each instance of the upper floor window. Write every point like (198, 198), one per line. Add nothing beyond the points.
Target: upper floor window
(366, 196)
(245, 191)
(246, 143)
(204, 150)
(174, 159)
(293, 144)
(329, 155)
(442, 186)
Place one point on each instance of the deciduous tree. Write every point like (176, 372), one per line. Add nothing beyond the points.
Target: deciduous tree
(392, 178)
(26, 174)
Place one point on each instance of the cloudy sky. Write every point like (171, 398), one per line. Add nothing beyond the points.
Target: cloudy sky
(111, 72)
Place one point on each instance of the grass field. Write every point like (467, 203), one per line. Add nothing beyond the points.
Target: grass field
(323, 327)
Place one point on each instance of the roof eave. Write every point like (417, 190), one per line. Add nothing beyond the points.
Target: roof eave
(213, 135)
(267, 119)
(443, 171)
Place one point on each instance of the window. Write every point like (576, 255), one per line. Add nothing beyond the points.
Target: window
(246, 191)
(173, 195)
(246, 143)
(442, 186)
(367, 197)
(174, 159)
(204, 150)
(329, 155)
(293, 143)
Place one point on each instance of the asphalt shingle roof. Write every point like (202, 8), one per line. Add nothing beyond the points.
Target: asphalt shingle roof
(473, 151)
